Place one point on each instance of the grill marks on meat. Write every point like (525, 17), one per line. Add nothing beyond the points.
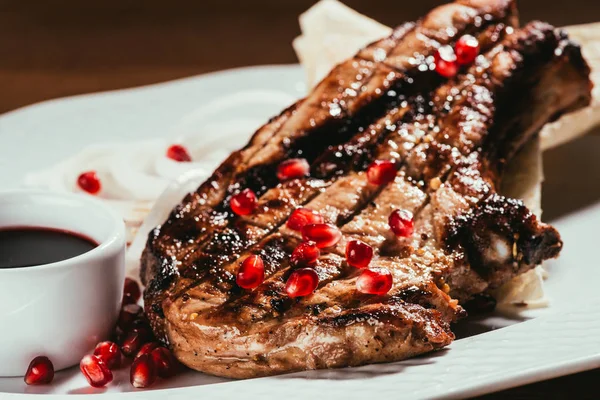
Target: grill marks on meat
(452, 146)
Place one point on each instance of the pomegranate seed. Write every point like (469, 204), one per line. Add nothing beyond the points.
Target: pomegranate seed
(166, 365)
(381, 172)
(147, 348)
(178, 153)
(95, 371)
(131, 291)
(129, 313)
(89, 182)
(305, 253)
(445, 62)
(143, 371)
(134, 341)
(401, 223)
(466, 49)
(251, 272)
(374, 281)
(358, 253)
(293, 169)
(303, 216)
(324, 235)
(244, 202)
(110, 353)
(40, 371)
(302, 282)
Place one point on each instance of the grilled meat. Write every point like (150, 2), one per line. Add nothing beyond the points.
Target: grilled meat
(450, 139)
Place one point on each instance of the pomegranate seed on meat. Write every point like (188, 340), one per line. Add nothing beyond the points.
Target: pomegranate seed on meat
(401, 223)
(251, 272)
(95, 371)
(466, 50)
(324, 235)
(303, 216)
(358, 253)
(244, 202)
(381, 172)
(110, 353)
(178, 153)
(40, 371)
(131, 291)
(376, 281)
(89, 182)
(306, 253)
(445, 62)
(292, 169)
(166, 365)
(143, 371)
(302, 282)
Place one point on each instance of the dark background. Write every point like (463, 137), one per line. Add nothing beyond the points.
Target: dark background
(56, 48)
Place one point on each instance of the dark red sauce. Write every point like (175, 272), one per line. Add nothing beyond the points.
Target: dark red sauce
(30, 246)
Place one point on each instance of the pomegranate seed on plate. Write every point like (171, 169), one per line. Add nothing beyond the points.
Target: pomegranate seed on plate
(178, 153)
(324, 235)
(244, 202)
(303, 216)
(147, 348)
(302, 282)
(445, 62)
(381, 172)
(143, 371)
(129, 313)
(466, 49)
(110, 353)
(89, 182)
(131, 291)
(40, 371)
(305, 253)
(134, 341)
(401, 223)
(95, 371)
(166, 365)
(358, 253)
(292, 169)
(251, 272)
(374, 281)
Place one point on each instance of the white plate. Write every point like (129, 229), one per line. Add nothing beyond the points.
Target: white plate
(533, 345)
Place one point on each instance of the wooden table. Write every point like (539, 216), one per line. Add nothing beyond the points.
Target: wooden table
(59, 48)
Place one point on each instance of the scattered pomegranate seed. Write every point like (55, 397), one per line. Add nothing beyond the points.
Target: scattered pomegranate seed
(147, 348)
(401, 223)
(178, 153)
(374, 281)
(40, 371)
(303, 216)
(131, 291)
(445, 62)
(110, 353)
(95, 371)
(143, 371)
(381, 172)
(302, 282)
(129, 313)
(89, 182)
(292, 169)
(166, 365)
(305, 253)
(244, 202)
(324, 235)
(466, 49)
(358, 253)
(134, 341)
(251, 272)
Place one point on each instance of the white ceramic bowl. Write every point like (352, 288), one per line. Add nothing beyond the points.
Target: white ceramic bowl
(60, 310)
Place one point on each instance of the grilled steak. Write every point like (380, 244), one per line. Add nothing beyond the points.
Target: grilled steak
(450, 140)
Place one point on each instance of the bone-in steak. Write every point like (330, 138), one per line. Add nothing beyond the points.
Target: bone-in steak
(449, 139)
